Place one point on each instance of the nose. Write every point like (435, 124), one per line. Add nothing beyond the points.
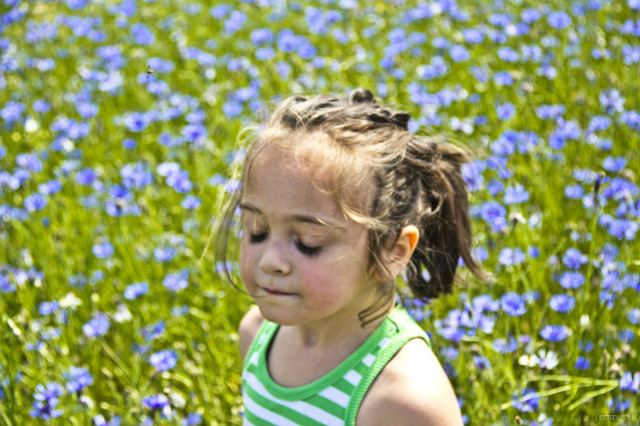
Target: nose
(274, 260)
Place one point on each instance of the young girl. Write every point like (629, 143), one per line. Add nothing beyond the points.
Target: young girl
(337, 199)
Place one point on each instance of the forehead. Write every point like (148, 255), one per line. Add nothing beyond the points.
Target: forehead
(278, 180)
(342, 173)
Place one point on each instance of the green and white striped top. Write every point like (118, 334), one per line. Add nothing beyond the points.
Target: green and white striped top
(332, 400)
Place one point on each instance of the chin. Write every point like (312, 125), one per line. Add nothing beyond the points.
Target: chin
(277, 315)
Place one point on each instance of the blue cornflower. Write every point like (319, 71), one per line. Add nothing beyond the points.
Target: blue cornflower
(192, 419)
(614, 164)
(481, 362)
(574, 192)
(103, 250)
(153, 331)
(141, 34)
(47, 308)
(305, 49)
(505, 111)
(550, 112)
(135, 290)
(562, 302)
(191, 202)
(85, 176)
(495, 186)
(12, 111)
(500, 19)
(634, 316)
(234, 22)
(513, 304)
(505, 347)
(112, 56)
(87, 109)
(559, 20)
(473, 35)
(509, 256)
(582, 363)
(164, 254)
(573, 258)
(484, 303)
(630, 382)
(165, 169)
(220, 11)
(630, 54)
(527, 403)
(503, 78)
(264, 54)
(626, 335)
(51, 187)
(494, 213)
(262, 35)
(287, 41)
(46, 400)
(547, 71)
(97, 326)
(161, 65)
(472, 174)
(79, 378)
(137, 121)
(30, 162)
(555, 333)
(232, 108)
(194, 133)
(599, 122)
(34, 202)
(136, 175)
(179, 181)
(498, 37)
(515, 194)
(507, 54)
(41, 106)
(611, 101)
(175, 282)
(620, 189)
(571, 280)
(530, 16)
(163, 360)
(459, 53)
(99, 420)
(534, 252)
(157, 403)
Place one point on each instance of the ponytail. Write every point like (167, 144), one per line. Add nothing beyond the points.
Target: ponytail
(441, 214)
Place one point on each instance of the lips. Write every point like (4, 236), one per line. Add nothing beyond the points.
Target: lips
(274, 292)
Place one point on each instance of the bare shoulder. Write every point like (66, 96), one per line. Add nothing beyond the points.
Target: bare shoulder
(411, 390)
(248, 329)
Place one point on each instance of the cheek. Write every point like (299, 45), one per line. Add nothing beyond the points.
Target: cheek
(244, 262)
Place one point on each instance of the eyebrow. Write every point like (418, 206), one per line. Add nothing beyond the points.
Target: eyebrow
(314, 220)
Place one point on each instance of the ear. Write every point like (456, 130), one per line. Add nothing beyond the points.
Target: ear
(399, 255)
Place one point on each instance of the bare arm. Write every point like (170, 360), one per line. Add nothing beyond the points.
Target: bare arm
(249, 326)
(412, 390)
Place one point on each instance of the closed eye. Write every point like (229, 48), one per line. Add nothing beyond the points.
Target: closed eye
(257, 238)
(307, 250)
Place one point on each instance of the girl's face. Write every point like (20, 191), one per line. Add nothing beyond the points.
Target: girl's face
(300, 258)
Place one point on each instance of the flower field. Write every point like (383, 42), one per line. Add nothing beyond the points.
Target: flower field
(119, 125)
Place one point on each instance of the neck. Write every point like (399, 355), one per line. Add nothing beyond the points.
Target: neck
(347, 333)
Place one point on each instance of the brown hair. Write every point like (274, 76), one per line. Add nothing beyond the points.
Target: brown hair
(381, 175)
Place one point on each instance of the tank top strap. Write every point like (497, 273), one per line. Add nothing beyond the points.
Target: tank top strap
(401, 328)
(263, 337)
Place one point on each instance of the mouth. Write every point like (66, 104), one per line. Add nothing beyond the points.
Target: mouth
(273, 292)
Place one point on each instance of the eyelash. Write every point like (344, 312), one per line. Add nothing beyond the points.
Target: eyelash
(304, 249)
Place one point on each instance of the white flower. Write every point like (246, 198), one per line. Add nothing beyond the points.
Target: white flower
(529, 360)
(547, 359)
